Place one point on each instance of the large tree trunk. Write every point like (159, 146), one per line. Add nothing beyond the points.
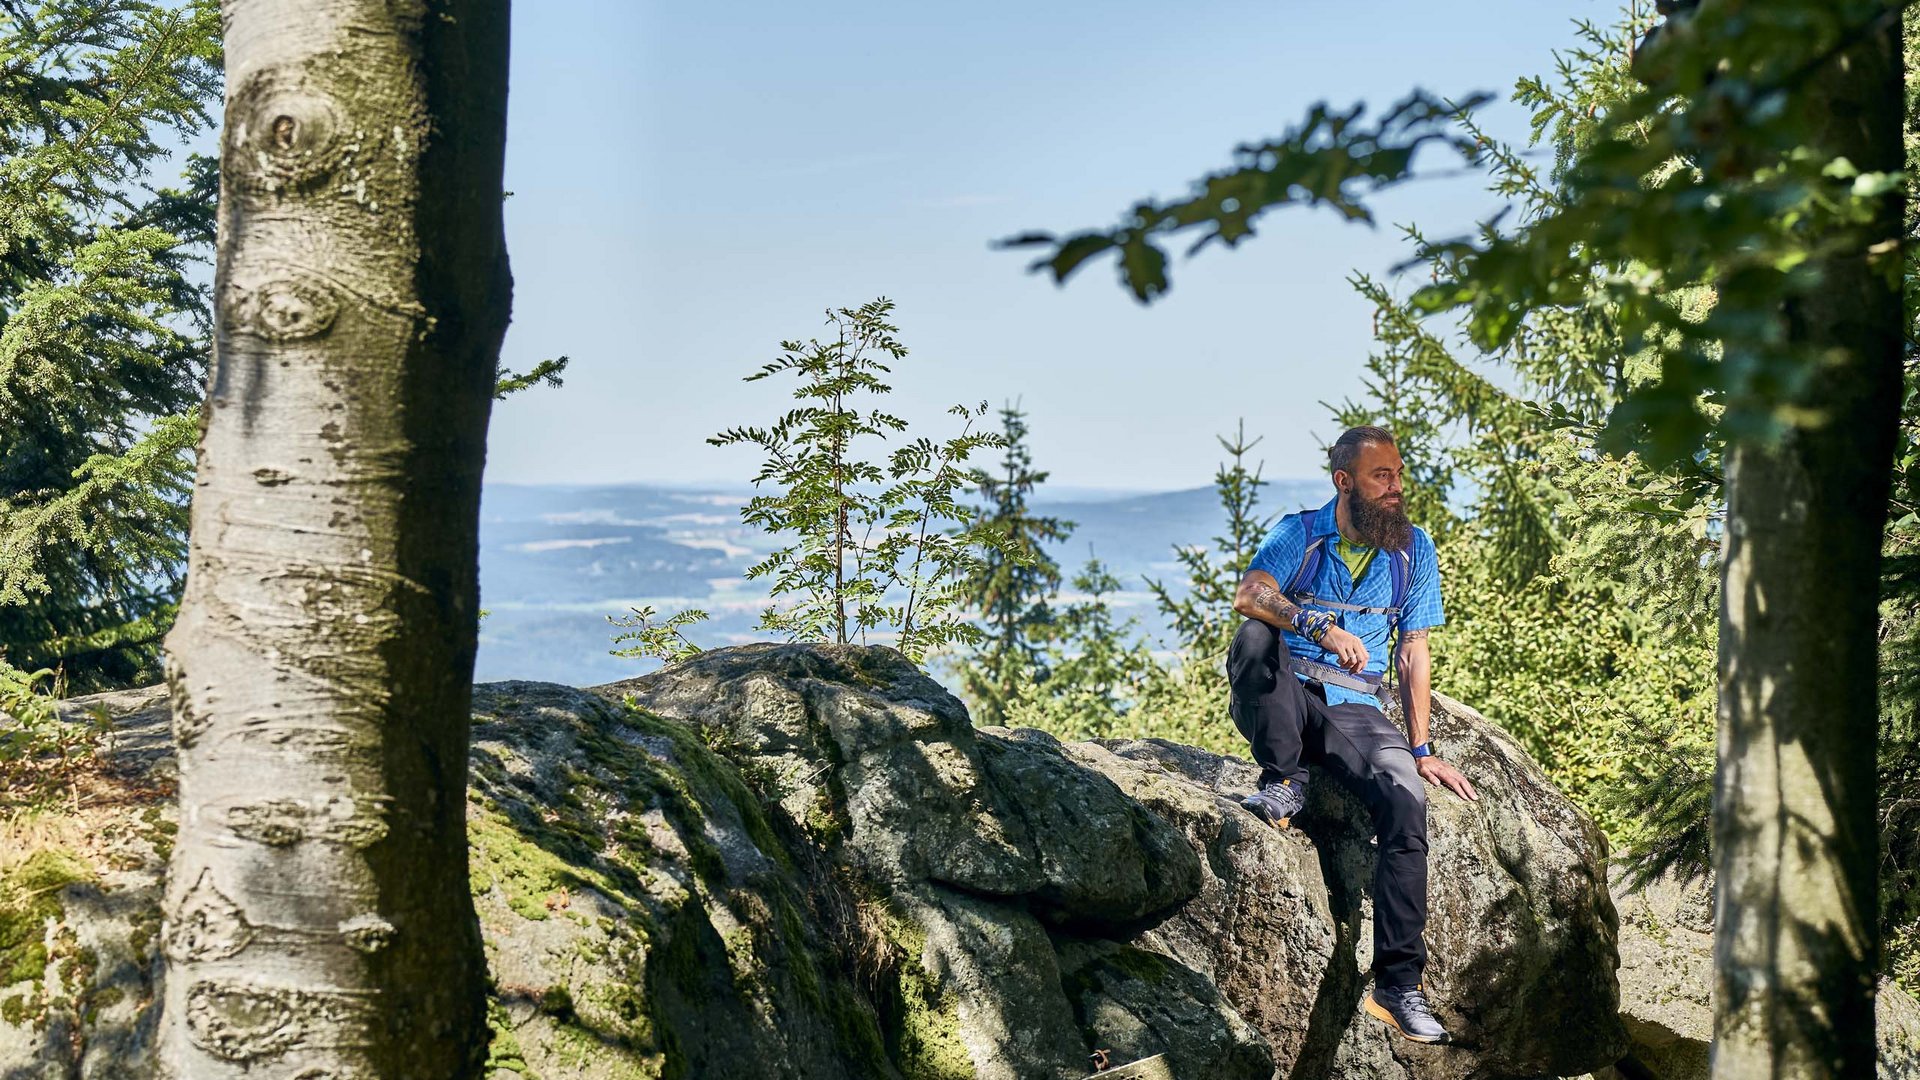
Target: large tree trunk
(1797, 939)
(318, 922)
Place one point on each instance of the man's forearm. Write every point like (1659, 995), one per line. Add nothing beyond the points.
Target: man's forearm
(1416, 684)
(1266, 603)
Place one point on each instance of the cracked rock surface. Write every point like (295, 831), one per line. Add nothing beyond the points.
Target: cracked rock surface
(1666, 985)
(804, 861)
(1175, 923)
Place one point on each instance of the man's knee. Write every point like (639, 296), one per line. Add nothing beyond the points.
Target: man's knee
(1400, 795)
(1257, 654)
(1255, 636)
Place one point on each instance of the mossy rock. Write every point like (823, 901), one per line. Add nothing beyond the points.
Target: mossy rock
(641, 917)
(804, 861)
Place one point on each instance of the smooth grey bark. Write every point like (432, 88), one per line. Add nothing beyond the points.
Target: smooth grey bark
(317, 919)
(1795, 841)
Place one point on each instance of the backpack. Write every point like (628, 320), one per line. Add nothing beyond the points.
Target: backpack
(1400, 566)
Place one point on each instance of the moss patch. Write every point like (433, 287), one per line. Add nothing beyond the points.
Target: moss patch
(531, 879)
(633, 807)
(29, 896)
(29, 905)
(923, 1017)
(503, 1051)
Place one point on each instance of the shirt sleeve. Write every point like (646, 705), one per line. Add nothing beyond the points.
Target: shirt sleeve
(1422, 608)
(1279, 554)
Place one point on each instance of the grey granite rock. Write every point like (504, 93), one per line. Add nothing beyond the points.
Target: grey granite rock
(1666, 985)
(1520, 924)
(804, 861)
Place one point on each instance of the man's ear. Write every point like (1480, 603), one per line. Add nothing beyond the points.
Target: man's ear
(1340, 475)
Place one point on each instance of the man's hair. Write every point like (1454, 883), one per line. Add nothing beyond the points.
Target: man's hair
(1347, 447)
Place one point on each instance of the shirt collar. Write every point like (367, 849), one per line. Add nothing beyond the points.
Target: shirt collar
(1325, 521)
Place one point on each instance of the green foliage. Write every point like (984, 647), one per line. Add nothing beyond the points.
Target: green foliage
(1096, 662)
(1098, 657)
(41, 755)
(103, 332)
(1104, 681)
(1330, 159)
(871, 549)
(546, 372)
(660, 640)
(1700, 179)
(923, 566)
(1011, 586)
(1202, 618)
(29, 709)
(1580, 584)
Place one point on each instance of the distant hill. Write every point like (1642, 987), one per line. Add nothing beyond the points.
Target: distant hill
(555, 561)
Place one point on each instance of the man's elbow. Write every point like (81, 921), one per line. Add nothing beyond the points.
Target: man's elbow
(1243, 602)
(1410, 664)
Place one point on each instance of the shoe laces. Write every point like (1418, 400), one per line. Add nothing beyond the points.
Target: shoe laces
(1414, 1000)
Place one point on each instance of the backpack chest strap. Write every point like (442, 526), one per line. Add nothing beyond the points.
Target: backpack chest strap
(1330, 675)
(1361, 609)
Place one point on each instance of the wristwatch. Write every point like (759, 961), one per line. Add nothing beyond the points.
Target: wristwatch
(1425, 749)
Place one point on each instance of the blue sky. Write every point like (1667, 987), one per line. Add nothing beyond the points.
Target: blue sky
(695, 182)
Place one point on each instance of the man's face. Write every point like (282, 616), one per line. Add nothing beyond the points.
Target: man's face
(1376, 476)
(1376, 507)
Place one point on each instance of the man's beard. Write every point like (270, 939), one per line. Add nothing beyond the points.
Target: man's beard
(1379, 525)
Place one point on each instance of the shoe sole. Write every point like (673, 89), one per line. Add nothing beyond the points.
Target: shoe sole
(1277, 823)
(1375, 1010)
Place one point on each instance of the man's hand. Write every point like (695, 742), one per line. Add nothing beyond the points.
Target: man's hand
(1439, 773)
(1347, 648)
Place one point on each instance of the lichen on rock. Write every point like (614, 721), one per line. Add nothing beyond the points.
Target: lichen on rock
(804, 861)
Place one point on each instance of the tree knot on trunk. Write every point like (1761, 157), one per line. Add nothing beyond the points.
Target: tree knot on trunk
(281, 135)
(210, 925)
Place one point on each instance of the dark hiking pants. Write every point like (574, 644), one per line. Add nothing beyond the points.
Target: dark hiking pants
(1289, 725)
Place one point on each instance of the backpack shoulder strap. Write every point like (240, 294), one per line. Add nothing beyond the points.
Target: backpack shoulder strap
(1401, 567)
(1302, 582)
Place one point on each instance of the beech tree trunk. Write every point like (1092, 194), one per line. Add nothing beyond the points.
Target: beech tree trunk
(317, 918)
(1795, 844)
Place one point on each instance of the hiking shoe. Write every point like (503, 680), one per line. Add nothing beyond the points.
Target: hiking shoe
(1405, 1010)
(1276, 803)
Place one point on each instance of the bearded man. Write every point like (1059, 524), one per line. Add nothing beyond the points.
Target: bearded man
(1305, 669)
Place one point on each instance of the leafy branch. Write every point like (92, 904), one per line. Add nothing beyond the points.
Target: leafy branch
(545, 372)
(1331, 158)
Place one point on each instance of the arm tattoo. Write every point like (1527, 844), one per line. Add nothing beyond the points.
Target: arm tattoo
(1414, 635)
(1273, 607)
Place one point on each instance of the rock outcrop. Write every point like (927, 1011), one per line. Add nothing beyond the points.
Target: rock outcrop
(1666, 986)
(1203, 926)
(787, 861)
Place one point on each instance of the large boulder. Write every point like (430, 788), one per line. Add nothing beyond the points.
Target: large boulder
(1666, 985)
(804, 861)
(642, 918)
(1126, 850)
(1519, 924)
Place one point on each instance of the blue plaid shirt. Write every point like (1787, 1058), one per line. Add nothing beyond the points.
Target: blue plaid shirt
(1286, 544)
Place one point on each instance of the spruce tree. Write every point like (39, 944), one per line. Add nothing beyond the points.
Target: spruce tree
(1202, 618)
(104, 325)
(1098, 664)
(1012, 586)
